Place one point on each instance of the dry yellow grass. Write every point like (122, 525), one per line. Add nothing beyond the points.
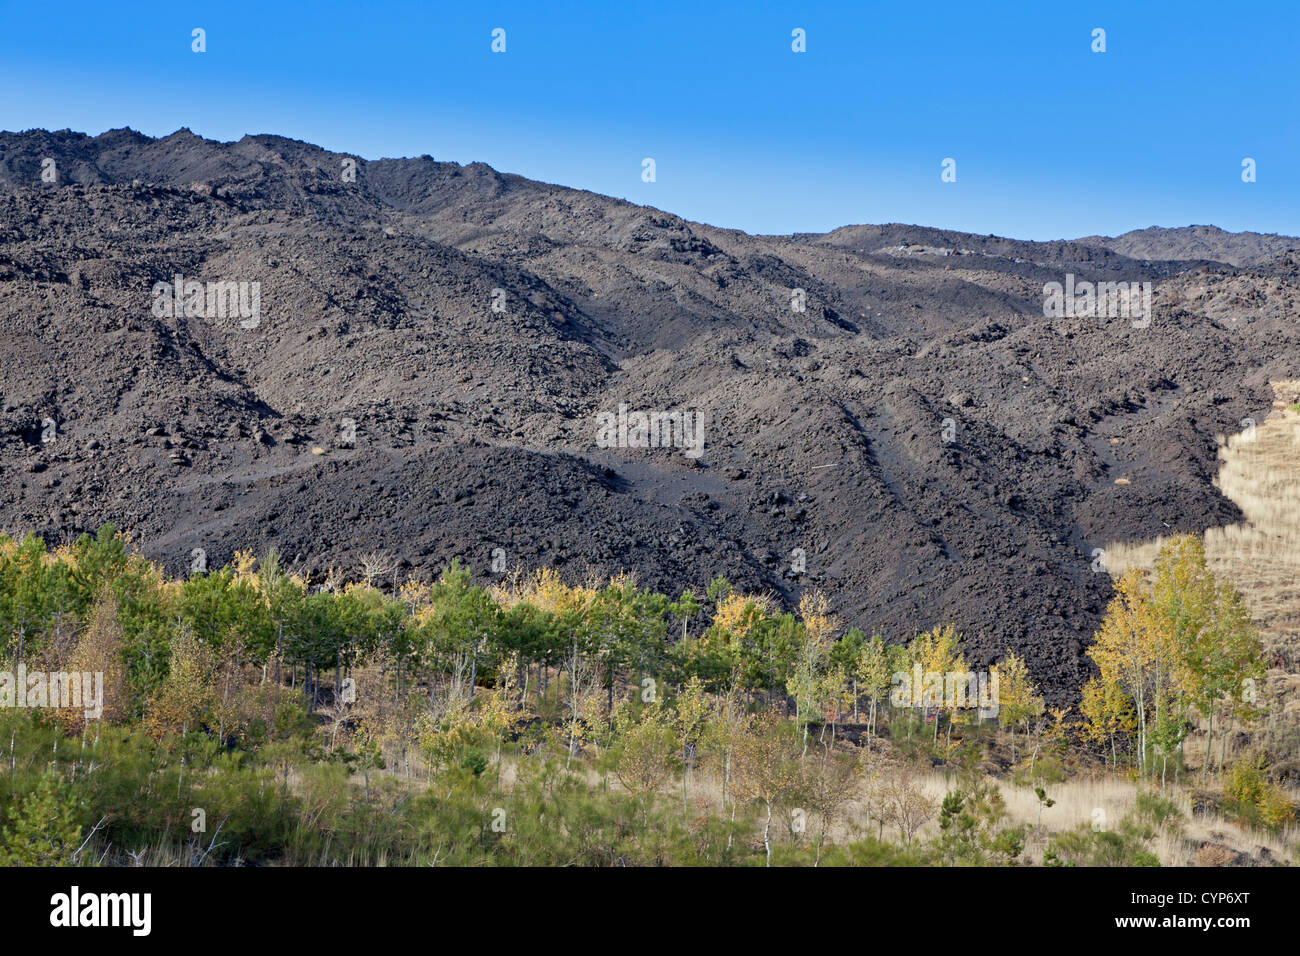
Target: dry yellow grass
(1078, 798)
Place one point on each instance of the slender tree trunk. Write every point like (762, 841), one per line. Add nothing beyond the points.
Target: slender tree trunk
(1223, 743)
(1142, 731)
(767, 829)
(685, 771)
(1209, 746)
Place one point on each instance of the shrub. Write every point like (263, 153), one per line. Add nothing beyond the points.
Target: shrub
(1254, 799)
(1156, 810)
(43, 831)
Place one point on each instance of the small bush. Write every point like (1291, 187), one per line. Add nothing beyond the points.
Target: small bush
(43, 831)
(1254, 799)
(1156, 810)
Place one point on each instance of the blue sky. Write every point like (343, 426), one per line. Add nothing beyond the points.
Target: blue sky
(1051, 140)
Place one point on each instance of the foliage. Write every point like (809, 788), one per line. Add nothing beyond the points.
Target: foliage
(42, 830)
(1255, 799)
(255, 715)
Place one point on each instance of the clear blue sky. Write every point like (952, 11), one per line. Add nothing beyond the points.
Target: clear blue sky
(1051, 139)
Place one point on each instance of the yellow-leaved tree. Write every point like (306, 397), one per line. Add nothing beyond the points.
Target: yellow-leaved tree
(939, 653)
(874, 675)
(767, 767)
(1019, 702)
(1107, 711)
(187, 694)
(1134, 649)
(808, 683)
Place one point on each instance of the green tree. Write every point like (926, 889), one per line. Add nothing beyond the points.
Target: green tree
(24, 598)
(42, 830)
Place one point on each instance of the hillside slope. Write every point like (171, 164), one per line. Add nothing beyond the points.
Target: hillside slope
(475, 427)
